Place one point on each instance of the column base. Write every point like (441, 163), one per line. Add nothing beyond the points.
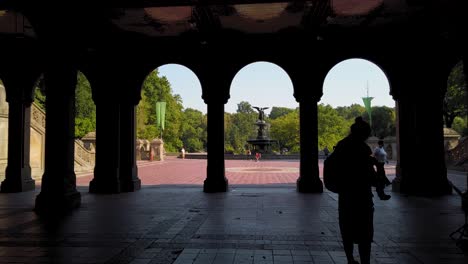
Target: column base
(9, 186)
(309, 186)
(104, 186)
(129, 181)
(212, 186)
(57, 203)
(396, 185)
(421, 189)
(105, 181)
(18, 180)
(130, 186)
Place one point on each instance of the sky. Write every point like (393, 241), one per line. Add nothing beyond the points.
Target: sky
(265, 84)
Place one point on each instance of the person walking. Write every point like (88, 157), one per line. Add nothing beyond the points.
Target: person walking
(182, 153)
(355, 205)
(381, 158)
(326, 151)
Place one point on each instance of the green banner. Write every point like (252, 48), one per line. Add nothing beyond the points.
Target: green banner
(367, 105)
(161, 114)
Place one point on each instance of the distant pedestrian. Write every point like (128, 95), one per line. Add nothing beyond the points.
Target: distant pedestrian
(380, 159)
(326, 151)
(182, 153)
(249, 154)
(258, 156)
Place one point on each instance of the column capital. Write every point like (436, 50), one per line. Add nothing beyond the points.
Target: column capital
(215, 90)
(215, 82)
(106, 86)
(60, 79)
(19, 86)
(308, 85)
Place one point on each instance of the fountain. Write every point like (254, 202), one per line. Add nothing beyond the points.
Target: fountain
(262, 143)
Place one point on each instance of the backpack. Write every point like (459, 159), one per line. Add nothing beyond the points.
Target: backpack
(332, 172)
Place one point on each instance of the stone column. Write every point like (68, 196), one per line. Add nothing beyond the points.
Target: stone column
(106, 170)
(421, 164)
(58, 190)
(129, 180)
(402, 126)
(18, 171)
(309, 180)
(308, 83)
(215, 172)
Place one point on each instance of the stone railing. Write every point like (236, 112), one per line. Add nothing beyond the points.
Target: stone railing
(459, 154)
(38, 118)
(84, 159)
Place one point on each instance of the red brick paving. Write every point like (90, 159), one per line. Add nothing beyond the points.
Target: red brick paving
(174, 171)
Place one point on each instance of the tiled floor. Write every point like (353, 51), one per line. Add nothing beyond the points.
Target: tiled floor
(239, 172)
(262, 224)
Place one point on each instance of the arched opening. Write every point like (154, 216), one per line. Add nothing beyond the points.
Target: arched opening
(3, 131)
(85, 127)
(171, 116)
(352, 88)
(262, 117)
(455, 115)
(37, 131)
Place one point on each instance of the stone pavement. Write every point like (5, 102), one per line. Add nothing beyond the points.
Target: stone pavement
(239, 172)
(271, 224)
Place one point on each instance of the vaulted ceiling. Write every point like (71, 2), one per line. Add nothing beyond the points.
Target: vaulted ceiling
(163, 18)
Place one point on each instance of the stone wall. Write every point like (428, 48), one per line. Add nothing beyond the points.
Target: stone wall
(3, 132)
(84, 159)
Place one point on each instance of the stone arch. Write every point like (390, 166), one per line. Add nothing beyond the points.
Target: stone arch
(261, 97)
(183, 82)
(343, 81)
(372, 64)
(455, 115)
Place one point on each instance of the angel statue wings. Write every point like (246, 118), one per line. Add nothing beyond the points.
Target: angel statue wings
(261, 113)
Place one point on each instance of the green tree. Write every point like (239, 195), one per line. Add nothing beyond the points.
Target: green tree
(39, 93)
(455, 101)
(285, 129)
(351, 112)
(194, 124)
(332, 127)
(85, 109)
(279, 112)
(383, 121)
(156, 89)
(228, 148)
(460, 125)
(245, 108)
(239, 127)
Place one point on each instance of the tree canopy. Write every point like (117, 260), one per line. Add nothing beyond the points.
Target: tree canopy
(455, 101)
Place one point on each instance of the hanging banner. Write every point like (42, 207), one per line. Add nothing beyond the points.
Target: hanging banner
(367, 105)
(161, 114)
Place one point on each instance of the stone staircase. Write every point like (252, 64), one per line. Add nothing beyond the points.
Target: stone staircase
(458, 156)
(84, 158)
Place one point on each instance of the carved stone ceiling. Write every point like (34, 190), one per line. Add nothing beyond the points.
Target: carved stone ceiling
(169, 18)
(258, 17)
